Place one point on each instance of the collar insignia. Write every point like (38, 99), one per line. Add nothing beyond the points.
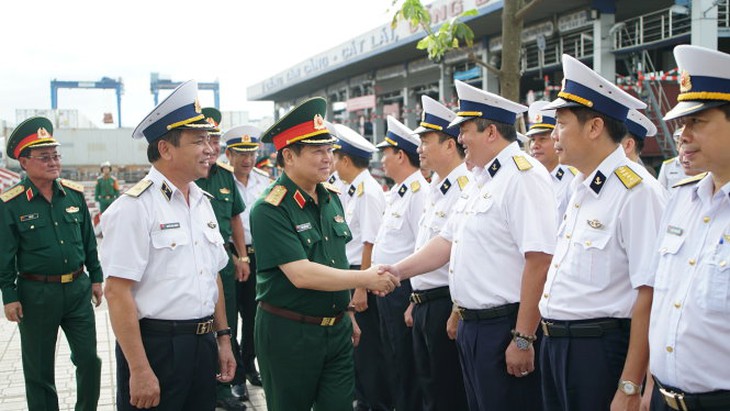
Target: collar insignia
(402, 190)
(332, 179)
(445, 186)
(166, 190)
(351, 190)
(299, 198)
(597, 183)
(560, 173)
(29, 193)
(494, 167)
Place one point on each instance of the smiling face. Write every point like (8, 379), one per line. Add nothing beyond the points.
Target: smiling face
(191, 158)
(42, 164)
(242, 161)
(312, 165)
(475, 143)
(706, 141)
(542, 147)
(432, 151)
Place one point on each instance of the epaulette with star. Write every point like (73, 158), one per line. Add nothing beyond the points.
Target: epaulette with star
(628, 177)
(690, 180)
(331, 188)
(11, 193)
(138, 188)
(72, 185)
(276, 195)
(462, 181)
(522, 163)
(415, 186)
(224, 166)
(669, 160)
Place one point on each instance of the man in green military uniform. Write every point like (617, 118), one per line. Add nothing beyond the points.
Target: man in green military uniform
(227, 206)
(302, 335)
(107, 187)
(46, 241)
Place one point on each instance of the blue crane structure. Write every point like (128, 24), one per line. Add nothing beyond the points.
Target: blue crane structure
(157, 84)
(104, 83)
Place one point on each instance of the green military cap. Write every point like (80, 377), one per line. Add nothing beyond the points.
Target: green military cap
(213, 116)
(263, 161)
(303, 124)
(32, 133)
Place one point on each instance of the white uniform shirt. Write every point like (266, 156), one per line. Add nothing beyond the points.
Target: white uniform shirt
(689, 325)
(397, 234)
(364, 214)
(671, 173)
(171, 250)
(340, 185)
(257, 183)
(500, 217)
(561, 177)
(602, 243)
(441, 199)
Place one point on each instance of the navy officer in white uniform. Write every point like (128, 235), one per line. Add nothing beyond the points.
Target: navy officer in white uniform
(689, 316)
(596, 301)
(499, 250)
(161, 255)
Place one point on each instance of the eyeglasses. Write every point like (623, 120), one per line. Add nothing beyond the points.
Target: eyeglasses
(47, 158)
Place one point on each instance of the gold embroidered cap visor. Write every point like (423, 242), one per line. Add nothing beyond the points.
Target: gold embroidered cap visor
(303, 124)
(34, 132)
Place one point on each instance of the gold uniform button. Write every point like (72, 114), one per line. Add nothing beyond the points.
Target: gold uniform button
(588, 243)
(577, 206)
(706, 219)
(723, 263)
(556, 265)
(326, 238)
(55, 223)
(567, 236)
(670, 349)
(451, 271)
(546, 295)
(692, 261)
(61, 241)
(333, 261)
(309, 241)
(173, 245)
(677, 304)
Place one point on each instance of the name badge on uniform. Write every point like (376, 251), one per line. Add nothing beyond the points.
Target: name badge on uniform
(169, 226)
(674, 230)
(29, 217)
(303, 227)
(72, 209)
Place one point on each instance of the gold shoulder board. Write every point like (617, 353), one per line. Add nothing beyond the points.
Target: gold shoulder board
(139, 188)
(225, 166)
(573, 170)
(462, 181)
(276, 195)
(669, 160)
(72, 185)
(11, 193)
(627, 176)
(522, 163)
(360, 189)
(331, 188)
(415, 186)
(690, 180)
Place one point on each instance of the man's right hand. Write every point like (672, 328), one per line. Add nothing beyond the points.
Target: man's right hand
(360, 300)
(14, 312)
(144, 389)
(381, 282)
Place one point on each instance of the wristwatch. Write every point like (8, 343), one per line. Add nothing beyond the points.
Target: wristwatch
(225, 331)
(522, 343)
(244, 259)
(628, 387)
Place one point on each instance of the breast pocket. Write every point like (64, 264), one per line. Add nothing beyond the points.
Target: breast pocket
(715, 281)
(342, 231)
(589, 262)
(309, 239)
(34, 233)
(167, 244)
(668, 249)
(73, 223)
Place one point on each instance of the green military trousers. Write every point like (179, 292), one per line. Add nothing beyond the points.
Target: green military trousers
(228, 278)
(46, 306)
(305, 366)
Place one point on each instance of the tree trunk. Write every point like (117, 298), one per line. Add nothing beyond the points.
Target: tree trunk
(509, 75)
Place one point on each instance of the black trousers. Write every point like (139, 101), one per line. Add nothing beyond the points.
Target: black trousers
(246, 300)
(397, 341)
(583, 373)
(482, 345)
(437, 360)
(371, 383)
(185, 365)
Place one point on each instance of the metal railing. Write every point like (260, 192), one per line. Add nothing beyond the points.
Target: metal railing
(650, 28)
(577, 44)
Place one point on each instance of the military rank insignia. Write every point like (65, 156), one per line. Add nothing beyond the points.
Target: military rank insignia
(560, 173)
(166, 190)
(402, 190)
(276, 195)
(628, 177)
(597, 183)
(462, 182)
(299, 198)
(494, 167)
(351, 190)
(415, 186)
(360, 189)
(521, 163)
(445, 186)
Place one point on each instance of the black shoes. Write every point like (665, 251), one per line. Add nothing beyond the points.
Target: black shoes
(240, 391)
(254, 378)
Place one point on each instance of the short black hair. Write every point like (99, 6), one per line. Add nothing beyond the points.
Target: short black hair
(296, 148)
(638, 142)
(459, 148)
(413, 158)
(172, 136)
(507, 131)
(616, 129)
(357, 161)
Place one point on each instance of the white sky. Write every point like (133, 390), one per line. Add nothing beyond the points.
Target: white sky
(237, 42)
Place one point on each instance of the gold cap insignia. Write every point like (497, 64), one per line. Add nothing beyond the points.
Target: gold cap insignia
(319, 122)
(198, 109)
(538, 118)
(246, 138)
(685, 82)
(43, 133)
(211, 121)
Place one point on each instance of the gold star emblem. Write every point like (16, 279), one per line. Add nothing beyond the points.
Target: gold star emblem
(246, 138)
(319, 122)
(211, 121)
(685, 82)
(43, 133)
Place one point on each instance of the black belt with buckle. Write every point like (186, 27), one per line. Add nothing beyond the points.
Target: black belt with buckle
(249, 249)
(488, 313)
(678, 400)
(583, 329)
(63, 278)
(420, 297)
(294, 316)
(200, 326)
